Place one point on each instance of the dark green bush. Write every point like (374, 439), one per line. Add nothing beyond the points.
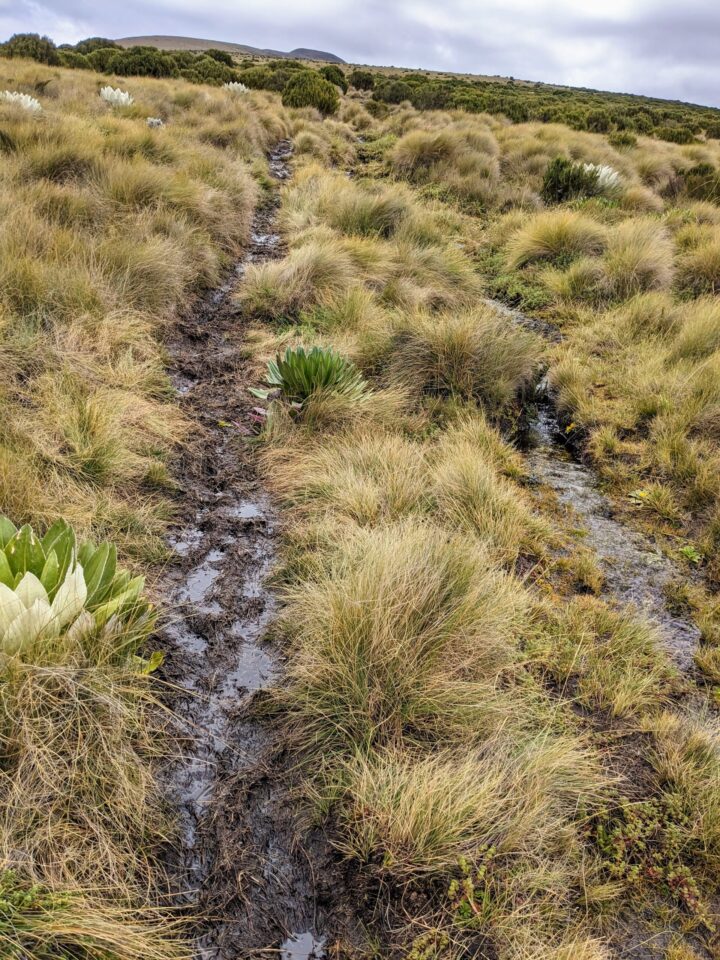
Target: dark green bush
(675, 134)
(278, 79)
(33, 46)
(598, 121)
(702, 182)
(257, 78)
(333, 74)
(74, 60)
(211, 71)
(622, 138)
(566, 180)
(308, 89)
(393, 91)
(95, 43)
(222, 56)
(142, 62)
(362, 79)
(101, 57)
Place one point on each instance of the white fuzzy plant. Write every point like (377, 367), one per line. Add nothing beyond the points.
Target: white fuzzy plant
(26, 612)
(154, 122)
(23, 100)
(236, 89)
(608, 179)
(116, 97)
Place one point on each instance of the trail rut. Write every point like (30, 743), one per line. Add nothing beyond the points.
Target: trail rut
(246, 866)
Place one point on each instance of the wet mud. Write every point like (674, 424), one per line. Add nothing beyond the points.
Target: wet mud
(258, 879)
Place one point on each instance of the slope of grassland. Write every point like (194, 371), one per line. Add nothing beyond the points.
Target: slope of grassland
(109, 228)
(193, 43)
(517, 765)
(506, 760)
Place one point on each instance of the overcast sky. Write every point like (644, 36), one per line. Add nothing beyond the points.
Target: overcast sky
(657, 47)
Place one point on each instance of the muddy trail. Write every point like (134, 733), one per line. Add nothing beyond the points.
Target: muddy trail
(259, 881)
(635, 569)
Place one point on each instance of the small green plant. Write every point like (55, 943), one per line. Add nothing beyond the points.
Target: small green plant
(298, 375)
(622, 139)
(471, 893)
(691, 554)
(51, 585)
(644, 844)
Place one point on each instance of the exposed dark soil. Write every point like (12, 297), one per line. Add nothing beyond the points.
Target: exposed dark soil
(261, 882)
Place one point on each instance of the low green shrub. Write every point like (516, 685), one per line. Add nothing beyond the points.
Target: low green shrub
(333, 74)
(299, 375)
(308, 89)
(566, 180)
(362, 79)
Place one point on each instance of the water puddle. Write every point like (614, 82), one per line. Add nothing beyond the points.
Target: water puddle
(303, 946)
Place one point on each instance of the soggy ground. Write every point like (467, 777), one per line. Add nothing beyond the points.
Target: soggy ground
(636, 570)
(259, 880)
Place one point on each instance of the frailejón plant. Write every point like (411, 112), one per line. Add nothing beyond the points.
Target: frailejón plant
(236, 88)
(297, 375)
(23, 100)
(116, 97)
(51, 584)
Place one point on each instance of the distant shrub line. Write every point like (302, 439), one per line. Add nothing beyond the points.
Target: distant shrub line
(581, 109)
(622, 116)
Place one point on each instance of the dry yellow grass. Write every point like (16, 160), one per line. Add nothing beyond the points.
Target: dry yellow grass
(109, 228)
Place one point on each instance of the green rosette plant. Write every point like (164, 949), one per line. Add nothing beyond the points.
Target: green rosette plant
(51, 586)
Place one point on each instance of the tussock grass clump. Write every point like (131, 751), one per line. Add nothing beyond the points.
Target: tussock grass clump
(474, 355)
(639, 257)
(462, 162)
(561, 234)
(698, 333)
(400, 630)
(470, 495)
(417, 817)
(613, 660)
(305, 278)
(699, 269)
(361, 476)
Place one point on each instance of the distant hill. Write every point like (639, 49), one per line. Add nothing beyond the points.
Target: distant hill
(193, 43)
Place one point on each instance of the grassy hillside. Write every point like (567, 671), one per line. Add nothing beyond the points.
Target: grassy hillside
(510, 763)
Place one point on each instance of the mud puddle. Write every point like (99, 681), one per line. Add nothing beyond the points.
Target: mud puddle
(636, 571)
(245, 865)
